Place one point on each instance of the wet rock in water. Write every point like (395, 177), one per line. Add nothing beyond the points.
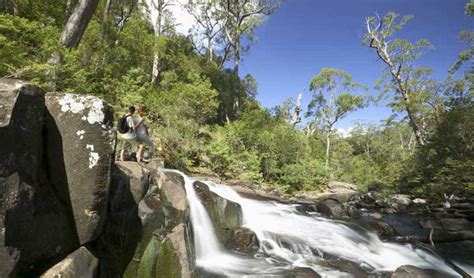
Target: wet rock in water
(399, 201)
(201, 272)
(409, 271)
(225, 215)
(461, 253)
(138, 178)
(82, 145)
(353, 268)
(431, 223)
(80, 263)
(244, 241)
(450, 224)
(381, 228)
(407, 225)
(35, 225)
(332, 208)
(116, 245)
(255, 193)
(447, 236)
(297, 272)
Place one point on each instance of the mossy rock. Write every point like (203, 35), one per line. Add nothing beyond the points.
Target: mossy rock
(160, 259)
(167, 263)
(146, 268)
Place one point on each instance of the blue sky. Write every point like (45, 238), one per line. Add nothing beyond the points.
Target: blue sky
(304, 36)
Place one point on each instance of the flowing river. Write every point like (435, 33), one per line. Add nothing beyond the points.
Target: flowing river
(289, 239)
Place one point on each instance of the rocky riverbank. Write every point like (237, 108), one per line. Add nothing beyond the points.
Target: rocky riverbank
(68, 209)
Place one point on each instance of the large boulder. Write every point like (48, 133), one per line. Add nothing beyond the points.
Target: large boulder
(179, 239)
(138, 178)
(122, 232)
(83, 145)
(381, 228)
(35, 225)
(80, 263)
(151, 213)
(399, 201)
(167, 256)
(244, 241)
(332, 208)
(173, 198)
(409, 271)
(225, 215)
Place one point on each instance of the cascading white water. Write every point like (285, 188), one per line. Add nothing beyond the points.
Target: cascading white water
(209, 254)
(289, 239)
(287, 234)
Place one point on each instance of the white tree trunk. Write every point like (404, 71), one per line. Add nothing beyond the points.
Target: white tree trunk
(77, 23)
(295, 118)
(155, 71)
(328, 146)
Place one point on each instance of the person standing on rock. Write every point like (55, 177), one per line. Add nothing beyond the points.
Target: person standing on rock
(129, 139)
(142, 135)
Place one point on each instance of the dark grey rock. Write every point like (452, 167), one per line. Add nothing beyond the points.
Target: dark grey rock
(225, 215)
(399, 201)
(36, 231)
(431, 223)
(381, 228)
(332, 208)
(409, 271)
(139, 178)
(150, 210)
(447, 236)
(85, 142)
(244, 241)
(116, 246)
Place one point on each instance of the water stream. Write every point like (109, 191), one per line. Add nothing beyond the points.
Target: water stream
(290, 239)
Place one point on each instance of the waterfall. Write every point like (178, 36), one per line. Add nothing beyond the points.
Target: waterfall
(290, 239)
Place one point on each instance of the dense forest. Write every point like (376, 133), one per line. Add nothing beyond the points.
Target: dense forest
(206, 117)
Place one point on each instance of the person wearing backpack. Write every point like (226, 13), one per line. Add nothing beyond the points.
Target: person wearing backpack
(127, 126)
(142, 134)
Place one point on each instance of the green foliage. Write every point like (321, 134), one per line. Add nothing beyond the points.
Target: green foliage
(446, 164)
(229, 158)
(24, 45)
(332, 99)
(204, 115)
(258, 147)
(46, 11)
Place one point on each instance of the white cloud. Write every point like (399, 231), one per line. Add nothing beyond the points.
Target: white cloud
(344, 132)
(182, 18)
